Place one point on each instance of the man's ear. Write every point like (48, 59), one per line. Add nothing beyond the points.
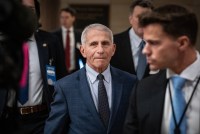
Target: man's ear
(82, 50)
(183, 41)
(114, 49)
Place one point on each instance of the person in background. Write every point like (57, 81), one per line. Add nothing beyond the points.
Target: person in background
(93, 100)
(70, 39)
(17, 24)
(44, 67)
(129, 43)
(168, 102)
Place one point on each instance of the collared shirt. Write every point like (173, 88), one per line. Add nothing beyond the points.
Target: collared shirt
(35, 77)
(72, 45)
(191, 74)
(135, 46)
(93, 83)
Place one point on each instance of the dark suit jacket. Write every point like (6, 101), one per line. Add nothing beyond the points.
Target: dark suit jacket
(123, 58)
(52, 51)
(47, 49)
(74, 109)
(146, 107)
(78, 55)
(3, 97)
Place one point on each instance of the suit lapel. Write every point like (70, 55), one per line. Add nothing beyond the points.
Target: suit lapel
(117, 86)
(87, 97)
(157, 101)
(43, 54)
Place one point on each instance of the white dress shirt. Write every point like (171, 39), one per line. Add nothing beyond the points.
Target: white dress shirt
(135, 46)
(191, 74)
(35, 78)
(72, 45)
(93, 83)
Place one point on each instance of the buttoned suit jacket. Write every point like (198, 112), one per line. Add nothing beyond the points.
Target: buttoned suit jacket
(78, 55)
(145, 112)
(73, 107)
(123, 58)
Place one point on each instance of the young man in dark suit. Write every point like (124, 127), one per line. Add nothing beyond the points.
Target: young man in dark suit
(168, 102)
(84, 103)
(128, 42)
(70, 39)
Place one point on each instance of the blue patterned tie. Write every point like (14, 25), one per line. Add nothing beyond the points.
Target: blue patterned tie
(179, 105)
(103, 106)
(141, 62)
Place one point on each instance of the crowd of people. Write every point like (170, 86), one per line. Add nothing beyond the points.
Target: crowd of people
(94, 82)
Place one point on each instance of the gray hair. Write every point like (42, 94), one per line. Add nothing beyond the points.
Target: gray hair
(97, 27)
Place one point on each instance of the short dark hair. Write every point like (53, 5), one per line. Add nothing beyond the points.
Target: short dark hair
(175, 20)
(141, 3)
(70, 10)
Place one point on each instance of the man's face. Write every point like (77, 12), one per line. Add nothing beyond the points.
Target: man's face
(161, 50)
(98, 50)
(134, 19)
(66, 19)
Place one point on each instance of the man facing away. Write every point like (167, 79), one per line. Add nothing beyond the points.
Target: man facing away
(168, 102)
(79, 104)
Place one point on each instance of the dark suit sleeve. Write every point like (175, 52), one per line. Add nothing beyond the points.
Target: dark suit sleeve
(131, 122)
(58, 119)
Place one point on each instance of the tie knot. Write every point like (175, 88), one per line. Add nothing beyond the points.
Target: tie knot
(178, 82)
(142, 43)
(100, 77)
(68, 31)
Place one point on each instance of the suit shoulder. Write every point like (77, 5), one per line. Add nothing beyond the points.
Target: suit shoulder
(69, 79)
(57, 31)
(124, 74)
(122, 34)
(154, 79)
(43, 34)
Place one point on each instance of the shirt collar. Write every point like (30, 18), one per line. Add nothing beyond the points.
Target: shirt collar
(32, 38)
(92, 74)
(135, 37)
(191, 72)
(71, 29)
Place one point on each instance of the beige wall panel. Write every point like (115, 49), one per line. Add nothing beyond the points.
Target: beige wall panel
(119, 11)
(119, 17)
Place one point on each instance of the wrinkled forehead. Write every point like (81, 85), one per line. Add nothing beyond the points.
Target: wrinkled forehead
(97, 33)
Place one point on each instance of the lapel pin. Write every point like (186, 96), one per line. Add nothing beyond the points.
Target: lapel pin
(44, 45)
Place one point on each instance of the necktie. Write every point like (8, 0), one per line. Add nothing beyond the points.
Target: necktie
(23, 85)
(179, 105)
(103, 106)
(67, 50)
(141, 62)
